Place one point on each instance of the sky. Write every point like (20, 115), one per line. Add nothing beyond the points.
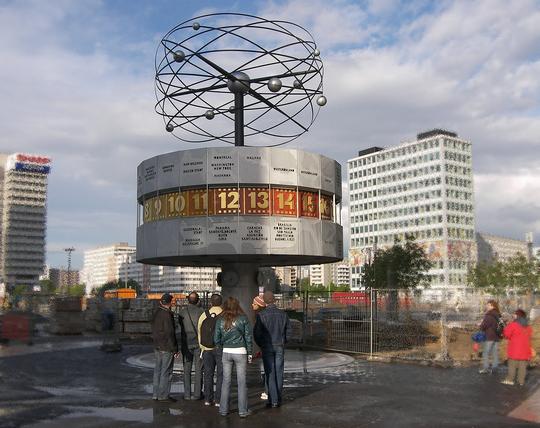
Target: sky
(77, 84)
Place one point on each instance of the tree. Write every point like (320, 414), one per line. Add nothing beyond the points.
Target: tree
(77, 290)
(402, 266)
(304, 284)
(489, 277)
(497, 278)
(47, 286)
(116, 284)
(522, 274)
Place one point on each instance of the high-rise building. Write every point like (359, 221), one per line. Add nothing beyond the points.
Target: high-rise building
(322, 274)
(23, 218)
(422, 188)
(336, 273)
(342, 273)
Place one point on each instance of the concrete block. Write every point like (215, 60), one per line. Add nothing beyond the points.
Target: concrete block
(68, 304)
(137, 328)
(142, 315)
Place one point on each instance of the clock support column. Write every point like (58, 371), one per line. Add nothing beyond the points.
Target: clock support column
(240, 280)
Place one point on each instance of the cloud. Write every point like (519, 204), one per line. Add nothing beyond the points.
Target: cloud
(77, 84)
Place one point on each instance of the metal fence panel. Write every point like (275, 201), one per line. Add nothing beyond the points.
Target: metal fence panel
(428, 324)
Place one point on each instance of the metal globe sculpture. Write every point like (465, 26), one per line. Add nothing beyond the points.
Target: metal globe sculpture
(270, 70)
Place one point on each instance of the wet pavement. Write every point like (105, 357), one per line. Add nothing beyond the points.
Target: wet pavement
(71, 383)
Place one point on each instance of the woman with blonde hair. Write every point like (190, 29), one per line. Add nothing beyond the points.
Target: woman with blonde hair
(489, 325)
(233, 335)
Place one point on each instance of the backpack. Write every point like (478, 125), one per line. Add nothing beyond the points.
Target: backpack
(208, 326)
(500, 327)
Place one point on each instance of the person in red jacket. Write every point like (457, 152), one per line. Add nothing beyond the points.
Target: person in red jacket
(518, 333)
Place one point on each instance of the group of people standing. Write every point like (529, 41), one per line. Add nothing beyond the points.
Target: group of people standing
(518, 333)
(212, 341)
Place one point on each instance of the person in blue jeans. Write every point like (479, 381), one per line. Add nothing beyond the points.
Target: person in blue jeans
(272, 327)
(233, 335)
(491, 345)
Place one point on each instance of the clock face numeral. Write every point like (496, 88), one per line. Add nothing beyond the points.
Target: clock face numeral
(199, 202)
(228, 201)
(284, 202)
(309, 204)
(260, 201)
(256, 201)
(327, 207)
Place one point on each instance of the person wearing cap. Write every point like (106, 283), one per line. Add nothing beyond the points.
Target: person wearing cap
(518, 333)
(165, 349)
(258, 305)
(272, 327)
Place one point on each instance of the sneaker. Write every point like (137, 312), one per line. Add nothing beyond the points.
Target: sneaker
(245, 415)
(507, 382)
(484, 371)
(216, 404)
(207, 403)
(264, 396)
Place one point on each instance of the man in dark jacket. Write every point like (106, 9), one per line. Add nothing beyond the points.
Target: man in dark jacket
(165, 349)
(188, 317)
(272, 327)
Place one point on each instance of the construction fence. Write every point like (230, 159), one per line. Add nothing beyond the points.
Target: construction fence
(400, 324)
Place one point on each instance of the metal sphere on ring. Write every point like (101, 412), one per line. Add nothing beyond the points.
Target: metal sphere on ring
(203, 63)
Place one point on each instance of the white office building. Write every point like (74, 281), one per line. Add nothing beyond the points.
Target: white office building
(118, 262)
(110, 263)
(177, 279)
(322, 274)
(336, 273)
(342, 273)
(422, 188)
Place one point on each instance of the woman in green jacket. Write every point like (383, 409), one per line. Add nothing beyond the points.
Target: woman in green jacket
(233, 334)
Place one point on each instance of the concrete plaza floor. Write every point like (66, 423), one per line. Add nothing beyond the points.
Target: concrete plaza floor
(69, 382)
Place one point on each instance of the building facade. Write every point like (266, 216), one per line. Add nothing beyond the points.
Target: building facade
(118, 262)
(342, 274)
(331, 273)
(493, 248)
(182, 279)
(110, 263)
(23, 218)
(62, 279)
(287, 276)
(422, 188)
